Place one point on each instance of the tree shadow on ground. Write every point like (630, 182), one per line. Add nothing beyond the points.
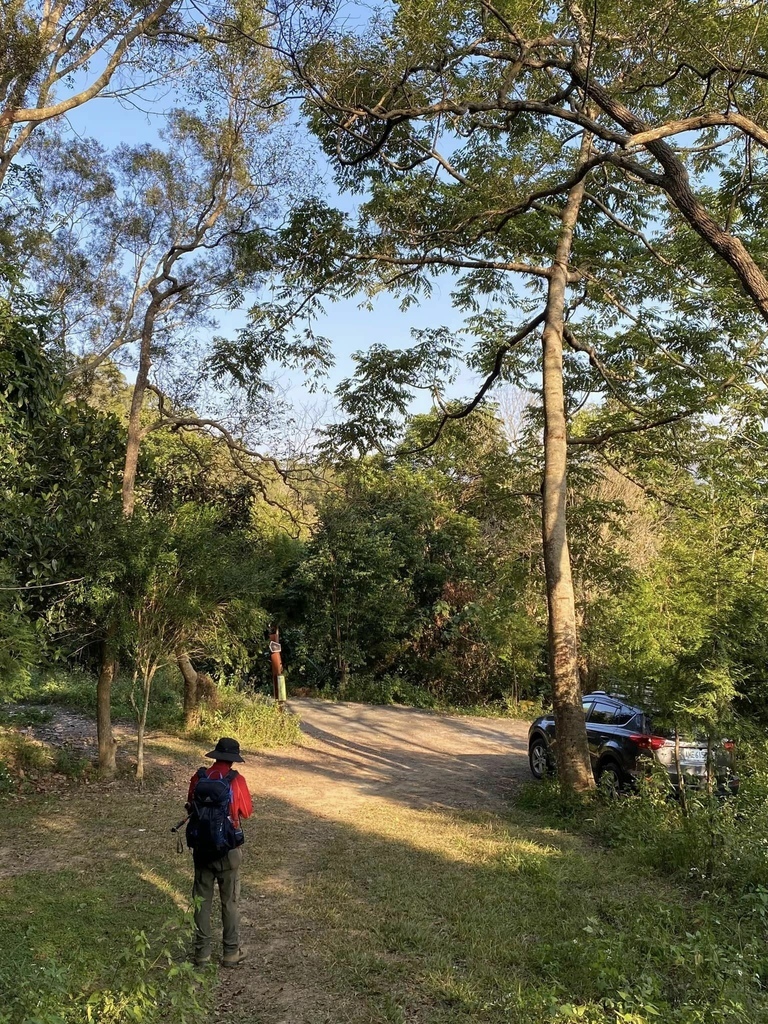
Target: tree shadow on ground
(399, 722)
(417, 777)
(413, 915)
(400, 913)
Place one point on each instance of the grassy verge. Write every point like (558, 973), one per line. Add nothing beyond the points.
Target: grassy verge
(94, 899)
(452, 919)
(717, 846)
(255, 719)
(393, 915)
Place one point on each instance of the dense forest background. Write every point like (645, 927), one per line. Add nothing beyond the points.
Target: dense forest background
(166, 499)
(418, 580)
(546, 475)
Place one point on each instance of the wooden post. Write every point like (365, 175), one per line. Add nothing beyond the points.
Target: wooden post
(276, 661)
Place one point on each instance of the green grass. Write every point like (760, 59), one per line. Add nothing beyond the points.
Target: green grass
(393, 914)
(383, 692)
(77, 690)
(18, 716)
(378, 913)
(451, 919)
(96, 893)
(256, 720)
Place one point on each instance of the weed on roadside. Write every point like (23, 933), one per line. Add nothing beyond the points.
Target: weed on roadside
(150, 981)
(257, 721)
(70, 761)
(23, 755)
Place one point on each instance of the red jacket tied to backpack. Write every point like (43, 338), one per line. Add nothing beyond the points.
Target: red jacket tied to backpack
(241, 805)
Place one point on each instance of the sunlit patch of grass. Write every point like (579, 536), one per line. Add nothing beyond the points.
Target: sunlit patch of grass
(460, 918)
(89, 909)
(393, 913)
(257, 721)
(21, 754)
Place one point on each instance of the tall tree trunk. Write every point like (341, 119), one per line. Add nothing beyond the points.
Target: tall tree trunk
(189, 674)
(573, 761)
(137, 404)
(148, 674)
(106, 739)
(105, 736)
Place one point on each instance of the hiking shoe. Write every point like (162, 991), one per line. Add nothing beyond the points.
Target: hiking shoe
(233, 959)
(201, 961)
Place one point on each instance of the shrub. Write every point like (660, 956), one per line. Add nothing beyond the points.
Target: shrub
(7, 783)
(256, 720)
(77, 689)
(152, 982)
(22, 755)
(20, 716)
(71, 762)
(720, 842)
(389, 689)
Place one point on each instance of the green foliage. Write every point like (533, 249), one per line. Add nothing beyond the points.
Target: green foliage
(27, 763)
(23, 755)
(388, 689)
(58, 462)
(150, 981)
(718, 844)
(69, 761)
(513, 920)
(256, 720)
(19, 716)
(20, 641)
(414, 583)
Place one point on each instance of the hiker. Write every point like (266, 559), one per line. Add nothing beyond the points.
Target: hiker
(218, 800)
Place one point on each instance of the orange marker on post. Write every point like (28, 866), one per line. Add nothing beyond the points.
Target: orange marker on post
(278, 679)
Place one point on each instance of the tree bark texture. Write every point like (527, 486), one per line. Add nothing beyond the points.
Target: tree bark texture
(137, 404)
(573, 760)
(105, 736)
(189, 674)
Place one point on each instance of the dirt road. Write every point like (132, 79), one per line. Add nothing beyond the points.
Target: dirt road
(367, 784)
(359, 752)
(360, 766)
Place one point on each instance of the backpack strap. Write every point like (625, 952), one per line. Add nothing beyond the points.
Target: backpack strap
(202, 773)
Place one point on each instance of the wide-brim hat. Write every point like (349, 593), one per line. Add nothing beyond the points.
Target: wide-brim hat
(226, 749)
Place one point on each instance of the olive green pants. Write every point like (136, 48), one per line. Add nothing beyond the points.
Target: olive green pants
(226, 874)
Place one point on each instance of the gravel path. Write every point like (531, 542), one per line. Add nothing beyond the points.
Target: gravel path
(358, 764)
(359, 752)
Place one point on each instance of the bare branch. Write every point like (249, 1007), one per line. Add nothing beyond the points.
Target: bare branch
(240, 453)
(635, 428)
(493, 376)
(692, 124)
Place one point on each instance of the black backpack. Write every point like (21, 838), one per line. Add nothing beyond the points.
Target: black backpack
(210, 832)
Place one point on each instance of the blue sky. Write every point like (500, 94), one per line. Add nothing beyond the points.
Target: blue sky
(350, 327)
